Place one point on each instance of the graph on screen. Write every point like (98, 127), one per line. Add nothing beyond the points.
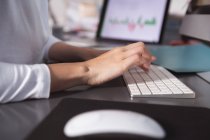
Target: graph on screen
(132, 24)
(134, 19)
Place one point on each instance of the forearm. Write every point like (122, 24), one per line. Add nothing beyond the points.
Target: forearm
(63, 52)
(67, 75)
(100, 69)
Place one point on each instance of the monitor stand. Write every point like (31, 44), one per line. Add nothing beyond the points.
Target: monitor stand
(205, 76)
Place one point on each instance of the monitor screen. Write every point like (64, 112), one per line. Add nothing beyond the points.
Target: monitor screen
(133, 20)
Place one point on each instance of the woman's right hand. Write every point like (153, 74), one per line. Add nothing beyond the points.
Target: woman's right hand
(116, 61)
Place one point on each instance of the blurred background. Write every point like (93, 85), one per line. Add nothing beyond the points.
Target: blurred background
(81, 17)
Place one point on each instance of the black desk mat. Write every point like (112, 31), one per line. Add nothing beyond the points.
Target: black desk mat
(180, 123)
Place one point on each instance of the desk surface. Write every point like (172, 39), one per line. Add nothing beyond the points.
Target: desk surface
(18, 120)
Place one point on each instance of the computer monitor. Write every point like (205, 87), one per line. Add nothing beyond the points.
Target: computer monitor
(196, 25)
(133, 20)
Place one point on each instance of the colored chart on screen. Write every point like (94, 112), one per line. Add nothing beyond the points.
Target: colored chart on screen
(134, 19)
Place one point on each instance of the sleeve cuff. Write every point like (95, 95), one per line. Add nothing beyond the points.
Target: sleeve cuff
(44, 82)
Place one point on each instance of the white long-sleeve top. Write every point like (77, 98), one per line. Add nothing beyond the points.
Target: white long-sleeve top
(25, 39)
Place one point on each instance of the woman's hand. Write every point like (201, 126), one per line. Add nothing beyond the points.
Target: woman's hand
(116, 61)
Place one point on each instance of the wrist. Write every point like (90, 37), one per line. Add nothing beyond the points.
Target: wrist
(67, 75)
(84, 69)
(91, 74)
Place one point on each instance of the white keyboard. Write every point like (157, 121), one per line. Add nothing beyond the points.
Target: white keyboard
(158, 82)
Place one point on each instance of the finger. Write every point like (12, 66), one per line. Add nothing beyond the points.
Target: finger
(133, 51)
(139, 48)
(144, 68)
(134, 61)
(154, 58)
(130, 62)
(145, 65)
(133, 45)
(147, 58)
(147, 55)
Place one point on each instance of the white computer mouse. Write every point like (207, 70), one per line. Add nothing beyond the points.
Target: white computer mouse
(113, 121)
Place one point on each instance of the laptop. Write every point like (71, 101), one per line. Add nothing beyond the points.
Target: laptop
(132, 21)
